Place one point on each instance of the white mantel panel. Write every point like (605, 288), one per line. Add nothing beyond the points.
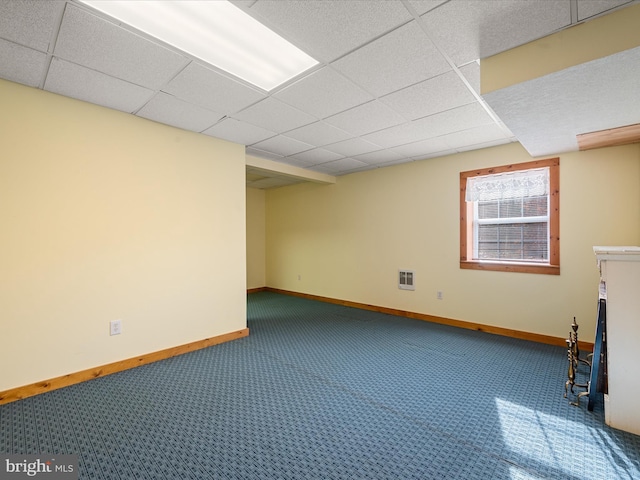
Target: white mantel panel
(620, 271)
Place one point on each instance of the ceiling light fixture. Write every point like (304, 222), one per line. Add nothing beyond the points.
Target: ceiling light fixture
(217, 32)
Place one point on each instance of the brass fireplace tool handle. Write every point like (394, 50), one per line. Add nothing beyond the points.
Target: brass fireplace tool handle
(573, 357)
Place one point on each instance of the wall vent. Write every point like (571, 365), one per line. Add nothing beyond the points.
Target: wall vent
(406, 279)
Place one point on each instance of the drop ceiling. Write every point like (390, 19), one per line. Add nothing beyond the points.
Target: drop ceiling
(398, 80)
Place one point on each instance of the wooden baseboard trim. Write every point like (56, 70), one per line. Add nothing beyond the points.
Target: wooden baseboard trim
(37, 388)
(256, 290)
(505, 332)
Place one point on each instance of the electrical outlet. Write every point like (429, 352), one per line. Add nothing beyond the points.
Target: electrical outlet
(299, 277)
(115, 327)
(439, 295)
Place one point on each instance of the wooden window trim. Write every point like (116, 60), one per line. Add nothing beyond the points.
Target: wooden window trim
(466, 216)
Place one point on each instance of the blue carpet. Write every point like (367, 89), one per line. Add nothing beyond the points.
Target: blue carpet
(322, 391)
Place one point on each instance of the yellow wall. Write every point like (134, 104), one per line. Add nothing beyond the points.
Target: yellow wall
(256, 261)
(348, 240)
(108, 216)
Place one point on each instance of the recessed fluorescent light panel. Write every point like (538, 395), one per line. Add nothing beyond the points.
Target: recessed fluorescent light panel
(217, 32)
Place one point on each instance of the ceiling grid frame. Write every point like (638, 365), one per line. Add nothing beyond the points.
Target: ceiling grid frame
(392, 137)
(52, 45)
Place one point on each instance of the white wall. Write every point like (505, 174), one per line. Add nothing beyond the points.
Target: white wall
(108, 216)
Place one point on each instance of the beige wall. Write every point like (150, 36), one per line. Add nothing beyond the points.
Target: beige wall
(348, 240)
(108, 216)
(256, 261)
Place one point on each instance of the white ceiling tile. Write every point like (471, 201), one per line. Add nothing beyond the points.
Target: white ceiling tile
(394, 61)
(93, 42)
(366, 118)
(438, 94)
(74, 81)
(238, 132)
(443, 153)
(476, 135)
(290, 161)
(256, 152)
(274, 115)
(461, 118)
(470, 29)
(315, 156)
(380, 156)
(318, 134)
(504, 127)
(30, 22)
(338, 167)
(170, 110)
(282, 145)
(354, 146)
(293, 160)
(471, 73)
(394, 162)
(478, 146)
(423, 6)
(201, 85)
(328, 29)
(399, 135)
(423, 147)
(21, 64)
(589, 8)
(323, 93)
(244, 4)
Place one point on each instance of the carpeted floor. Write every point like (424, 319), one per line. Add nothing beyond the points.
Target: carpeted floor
(321, 391)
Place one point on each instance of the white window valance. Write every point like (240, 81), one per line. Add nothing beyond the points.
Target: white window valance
(500, 186)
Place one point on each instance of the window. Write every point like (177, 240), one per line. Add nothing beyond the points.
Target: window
(509, 218)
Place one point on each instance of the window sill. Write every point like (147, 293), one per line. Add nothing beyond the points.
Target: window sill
(511, 267)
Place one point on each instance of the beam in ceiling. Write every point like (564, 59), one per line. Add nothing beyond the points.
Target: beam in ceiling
(285, 170)
(588, 41)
